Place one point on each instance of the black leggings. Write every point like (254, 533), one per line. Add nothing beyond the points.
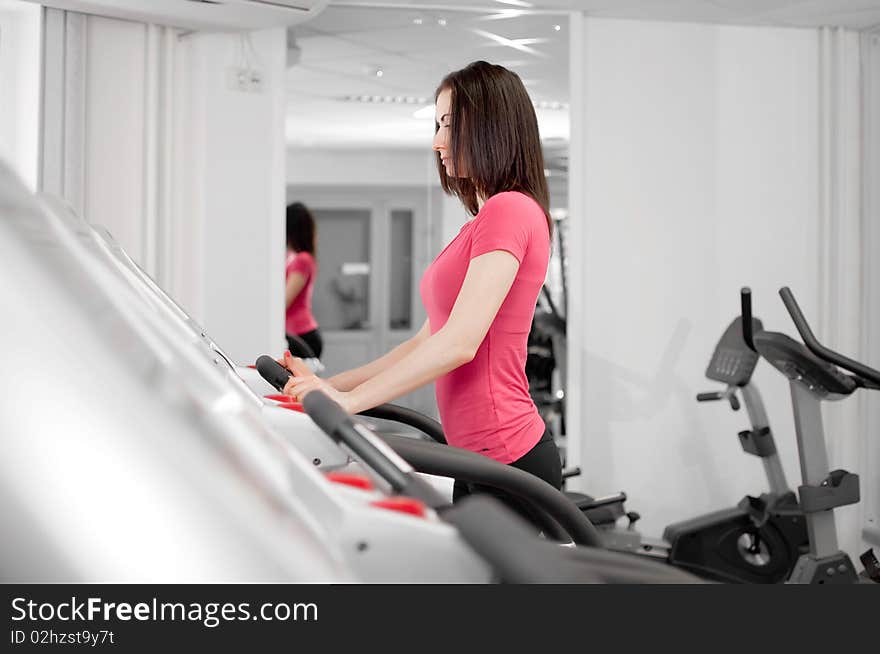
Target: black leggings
(543, 461)
(312, 339)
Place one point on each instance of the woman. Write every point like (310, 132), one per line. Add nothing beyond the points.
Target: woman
(480, 292)
(301, 271)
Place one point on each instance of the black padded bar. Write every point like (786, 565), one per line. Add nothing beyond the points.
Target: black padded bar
(516, 555)
(273, 372)
(816, 347)
(745, 299)
(334, 421)
(401, 414)
(628, 568)
(446, 461)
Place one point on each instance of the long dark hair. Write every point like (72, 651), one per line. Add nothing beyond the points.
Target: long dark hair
(494, 135)
(300, 228)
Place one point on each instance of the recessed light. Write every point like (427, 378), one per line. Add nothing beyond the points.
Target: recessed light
(441, 22)
(385, 99)
(517, 44)
(557, 27)
(418, 21)
(550, 104)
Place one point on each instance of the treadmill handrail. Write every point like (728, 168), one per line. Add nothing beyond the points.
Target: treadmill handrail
(406, 416)
(447, 461)
(821, 351)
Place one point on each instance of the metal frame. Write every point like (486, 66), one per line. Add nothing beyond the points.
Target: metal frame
(758, 418)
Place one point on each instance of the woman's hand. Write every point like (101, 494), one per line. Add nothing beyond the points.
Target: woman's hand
(295, 365)
(303, 381)
(300, 386)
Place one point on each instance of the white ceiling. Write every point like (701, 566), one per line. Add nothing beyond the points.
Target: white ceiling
(854, 14)
(417, 42)
(343, 47)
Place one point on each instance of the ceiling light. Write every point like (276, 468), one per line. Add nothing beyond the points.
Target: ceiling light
(441, 22)
(557, 27)
(515, 3)
(518, 44)
(418, 21)
(385, 99)
(548, 104)
(504, 13)
(425, 112)
(372, 70)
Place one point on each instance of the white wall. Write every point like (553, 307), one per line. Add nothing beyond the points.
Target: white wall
(187, 173)
(388, 168)
(238, 158)
(360, 167)
(392, 168)
(19, 88)
(700, 146)
(114, 135)
(871, 220)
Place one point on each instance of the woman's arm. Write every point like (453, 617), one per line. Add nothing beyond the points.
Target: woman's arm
(486, 283)
(346, 381)
(296, 282)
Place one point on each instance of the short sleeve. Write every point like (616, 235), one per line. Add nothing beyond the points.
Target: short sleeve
(505, 222)
(302, 263)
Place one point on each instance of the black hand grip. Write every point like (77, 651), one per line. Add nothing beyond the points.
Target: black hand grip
(734, 402)
(326, 413)
(369, 449)
(709, 397)
(745, 300)
(816, 347)
(420, 421)
(273, 372)
(336, 423)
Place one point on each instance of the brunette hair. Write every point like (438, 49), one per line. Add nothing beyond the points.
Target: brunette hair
(300, 228)
(494, 137)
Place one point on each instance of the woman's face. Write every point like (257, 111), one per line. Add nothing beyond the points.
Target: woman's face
(443, 137)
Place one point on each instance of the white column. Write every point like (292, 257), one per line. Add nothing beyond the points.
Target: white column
(841, 258)
(870, 344)
(577, 192)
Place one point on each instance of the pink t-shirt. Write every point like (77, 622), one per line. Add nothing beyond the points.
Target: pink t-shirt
(299, 318)
(485, 404)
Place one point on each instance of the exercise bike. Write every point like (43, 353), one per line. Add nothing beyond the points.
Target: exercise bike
(761, 538)
(758, 540)
(816, 374)
(776, 537)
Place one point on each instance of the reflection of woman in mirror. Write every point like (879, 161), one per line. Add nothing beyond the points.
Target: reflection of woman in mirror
(300, 273)
(480, 292)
